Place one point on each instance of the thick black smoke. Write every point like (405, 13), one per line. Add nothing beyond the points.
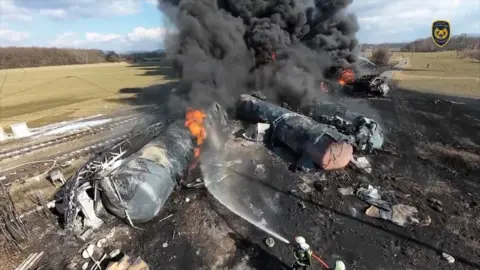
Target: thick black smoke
(281, 47)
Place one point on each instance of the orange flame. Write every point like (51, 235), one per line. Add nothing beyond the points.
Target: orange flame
(195, 123)
(346, 77)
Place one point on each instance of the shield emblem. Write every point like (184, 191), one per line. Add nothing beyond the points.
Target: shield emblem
(441, 33)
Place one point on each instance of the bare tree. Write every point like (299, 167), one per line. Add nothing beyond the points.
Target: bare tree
(381, 56)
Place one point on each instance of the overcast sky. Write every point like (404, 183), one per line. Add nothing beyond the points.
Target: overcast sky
(124, 25)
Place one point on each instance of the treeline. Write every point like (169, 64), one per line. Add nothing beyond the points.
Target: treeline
(137, 57)
(22, 57)
(459, 42)
(456, 43)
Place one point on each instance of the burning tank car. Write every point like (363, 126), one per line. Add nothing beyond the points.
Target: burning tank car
(132, 180)
(370, 86)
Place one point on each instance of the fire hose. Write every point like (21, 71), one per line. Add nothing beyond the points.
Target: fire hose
(317, 258)
(320, 261)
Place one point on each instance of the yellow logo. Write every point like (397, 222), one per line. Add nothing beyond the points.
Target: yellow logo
(441, 33)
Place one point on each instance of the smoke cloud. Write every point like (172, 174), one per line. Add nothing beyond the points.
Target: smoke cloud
(283, 48)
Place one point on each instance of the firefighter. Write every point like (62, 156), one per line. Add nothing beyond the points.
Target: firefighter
(302, 253)
(303, 256)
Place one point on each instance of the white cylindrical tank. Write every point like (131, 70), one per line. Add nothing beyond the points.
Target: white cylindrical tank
(20, 130)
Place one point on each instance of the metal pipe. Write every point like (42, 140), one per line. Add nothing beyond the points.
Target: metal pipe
(323, 144)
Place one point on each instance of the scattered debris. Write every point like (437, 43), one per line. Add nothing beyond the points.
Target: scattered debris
(127, 263)
(312, 177)
(304, 187)
(30, 262)
(111, 234)
(86, 235)
(88, 251)
(319, 186)
(230, 163)
(256, 132)
(260, 170)
(405, 214)
(270, 242)
(302, 205)
(101, 243)
(448, 257)
(114, 253)
(72, 266)
(399, 214)
(372, 196)
(165, 218)
(198, 183)
(436, 204)
(362, 163)
(56, 175)
(346, 191)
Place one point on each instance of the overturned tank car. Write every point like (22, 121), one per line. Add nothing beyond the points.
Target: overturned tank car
(133, 179)
(325, 146)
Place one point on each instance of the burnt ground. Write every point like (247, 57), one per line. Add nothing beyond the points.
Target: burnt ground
(432, 152)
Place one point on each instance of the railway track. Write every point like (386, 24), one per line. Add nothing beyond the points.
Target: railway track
(32, 170)
(35, 146)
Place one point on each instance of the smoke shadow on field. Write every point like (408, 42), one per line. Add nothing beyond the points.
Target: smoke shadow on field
(157, 94)
(162, 68)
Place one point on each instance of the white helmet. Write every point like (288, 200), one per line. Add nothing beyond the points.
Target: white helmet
(302, 243)
(300, 240)
(339, 265)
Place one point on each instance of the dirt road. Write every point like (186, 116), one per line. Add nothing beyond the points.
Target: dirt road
(404, 63)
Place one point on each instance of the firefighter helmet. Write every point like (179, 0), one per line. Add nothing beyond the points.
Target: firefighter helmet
(300, 240)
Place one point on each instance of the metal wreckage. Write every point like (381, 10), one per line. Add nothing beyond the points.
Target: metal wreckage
(370, 85)
(133, 179)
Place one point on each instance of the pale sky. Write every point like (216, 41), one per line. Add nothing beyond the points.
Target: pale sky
(124, 25)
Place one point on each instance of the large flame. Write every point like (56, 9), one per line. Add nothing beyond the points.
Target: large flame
(195, 123)
(346, 77)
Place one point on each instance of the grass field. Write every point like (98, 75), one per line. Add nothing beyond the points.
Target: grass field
(45, 95)
(446, 74)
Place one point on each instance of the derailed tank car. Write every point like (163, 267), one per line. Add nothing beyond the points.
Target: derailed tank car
(134, 179)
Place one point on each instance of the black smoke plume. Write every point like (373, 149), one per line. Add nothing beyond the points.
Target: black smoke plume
(284, 48)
